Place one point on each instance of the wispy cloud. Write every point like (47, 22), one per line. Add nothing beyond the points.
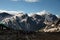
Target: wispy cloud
(58, 16)
(11, 12)
(31, 0)
(15, 0)
(26, 0)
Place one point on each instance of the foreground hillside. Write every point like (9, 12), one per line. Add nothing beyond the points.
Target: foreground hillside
(13, 35)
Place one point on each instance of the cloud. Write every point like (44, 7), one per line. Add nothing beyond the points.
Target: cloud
(31, 0)
(11, 12)
(58, 16)
(26, 0)
(43, 12)
(15, 0)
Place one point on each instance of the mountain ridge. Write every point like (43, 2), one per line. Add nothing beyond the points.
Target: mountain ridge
(34, 22)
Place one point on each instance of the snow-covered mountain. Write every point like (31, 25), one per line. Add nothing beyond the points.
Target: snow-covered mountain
(30, 23)
(48, 16)
(24, 22)
(4, 15)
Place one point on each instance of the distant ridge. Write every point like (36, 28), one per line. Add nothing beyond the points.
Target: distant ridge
(42, 21)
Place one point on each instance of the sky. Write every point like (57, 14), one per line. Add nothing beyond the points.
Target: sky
(29, 6)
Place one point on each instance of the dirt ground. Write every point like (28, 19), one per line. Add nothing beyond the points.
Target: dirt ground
(13, 35)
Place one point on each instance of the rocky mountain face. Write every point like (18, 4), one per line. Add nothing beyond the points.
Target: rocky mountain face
(4, 15)
(51, 21)
(52, 27)
(36, 22)
(48, 16)
(24, 22)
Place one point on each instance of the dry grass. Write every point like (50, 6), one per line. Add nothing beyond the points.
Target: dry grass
(13, 35)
